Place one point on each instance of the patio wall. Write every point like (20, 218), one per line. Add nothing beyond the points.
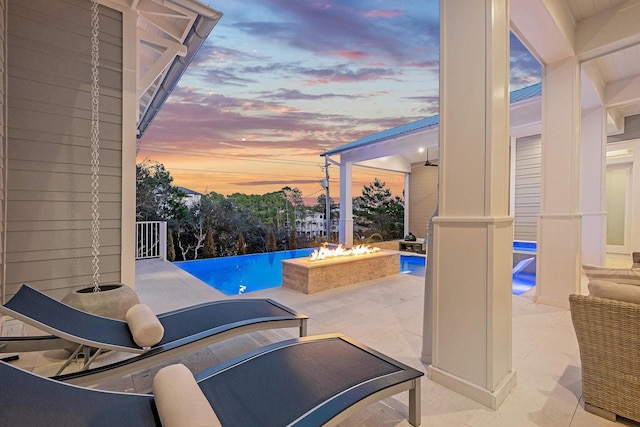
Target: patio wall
(49, 193)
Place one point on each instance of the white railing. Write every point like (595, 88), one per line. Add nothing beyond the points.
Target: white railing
(151, 239)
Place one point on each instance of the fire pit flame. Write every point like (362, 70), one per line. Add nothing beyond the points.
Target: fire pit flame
(340, 251)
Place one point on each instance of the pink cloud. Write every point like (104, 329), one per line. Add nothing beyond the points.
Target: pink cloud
(350, 54)
(383, 13)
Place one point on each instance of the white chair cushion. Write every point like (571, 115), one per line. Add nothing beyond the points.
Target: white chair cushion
(180, 400)
(144, 325)
(614, 291)
(628, 276)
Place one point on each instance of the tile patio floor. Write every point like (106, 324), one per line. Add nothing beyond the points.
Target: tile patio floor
(386, 314)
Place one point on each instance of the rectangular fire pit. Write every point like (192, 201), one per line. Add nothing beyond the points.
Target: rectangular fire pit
(309, 277)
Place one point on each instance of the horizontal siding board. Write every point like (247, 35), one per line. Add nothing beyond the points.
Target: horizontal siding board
(45, 98)
(59, 239)
(21, 136)
(56, 181)
(59, 124)
(62, 196)
(69, 225)
(63, 154)
(63, 81)
(75, 253)
(60, 268)
(67, 27)
(63, 62)
(50, 211)
(109, 177)
(59, 287)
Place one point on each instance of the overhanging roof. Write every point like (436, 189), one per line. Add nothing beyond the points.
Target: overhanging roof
(423, 124)
(170, 33)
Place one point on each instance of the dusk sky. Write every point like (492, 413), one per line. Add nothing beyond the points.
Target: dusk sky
(278, 82)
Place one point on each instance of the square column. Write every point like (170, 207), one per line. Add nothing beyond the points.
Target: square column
(345, 231)
(407, 178)
(473, 234)
(592, 188)
(560, 222)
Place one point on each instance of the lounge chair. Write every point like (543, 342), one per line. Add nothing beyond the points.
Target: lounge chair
(184, 330)
(308, 381)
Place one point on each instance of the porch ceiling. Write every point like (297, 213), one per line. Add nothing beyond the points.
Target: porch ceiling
(169, 34)
(605, 37)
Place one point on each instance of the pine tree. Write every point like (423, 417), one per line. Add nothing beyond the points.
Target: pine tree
(293, 239)
(272, 244)
(171, 249)
(209, 249)
(242, 246)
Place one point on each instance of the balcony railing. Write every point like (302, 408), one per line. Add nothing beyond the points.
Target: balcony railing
(151, 239)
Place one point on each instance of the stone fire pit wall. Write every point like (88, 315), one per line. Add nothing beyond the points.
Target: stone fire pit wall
(315, 276)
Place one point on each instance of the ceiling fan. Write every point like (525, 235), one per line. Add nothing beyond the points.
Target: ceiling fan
(428, 162)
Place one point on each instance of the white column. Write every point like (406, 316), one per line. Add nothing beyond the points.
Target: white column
(473, 234)
(407, 178)
(346, 204)
(593, 168)
(560, 222)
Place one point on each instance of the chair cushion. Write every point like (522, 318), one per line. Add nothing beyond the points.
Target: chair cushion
(629, 276)
(614, 291)
(180, 401)
(145, 327)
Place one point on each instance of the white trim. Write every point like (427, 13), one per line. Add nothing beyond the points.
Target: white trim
(129, 129)
(5, 152)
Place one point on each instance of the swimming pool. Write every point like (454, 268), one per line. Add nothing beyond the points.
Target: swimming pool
(247, 273)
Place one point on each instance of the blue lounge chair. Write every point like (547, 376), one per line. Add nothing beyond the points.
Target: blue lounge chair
(310, 381)
(185, 330)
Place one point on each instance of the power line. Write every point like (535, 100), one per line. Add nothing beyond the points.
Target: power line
(230, 172)
(227, 156)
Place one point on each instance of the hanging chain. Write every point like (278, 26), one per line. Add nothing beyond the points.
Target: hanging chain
(95, 145)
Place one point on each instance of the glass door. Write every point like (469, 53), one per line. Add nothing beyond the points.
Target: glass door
(618, 207)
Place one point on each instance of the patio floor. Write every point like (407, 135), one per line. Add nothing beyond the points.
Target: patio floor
(386, 314)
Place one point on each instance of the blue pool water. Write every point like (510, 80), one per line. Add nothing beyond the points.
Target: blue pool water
(414, 265)
(524, 246)
(244, 273)
(247, 273)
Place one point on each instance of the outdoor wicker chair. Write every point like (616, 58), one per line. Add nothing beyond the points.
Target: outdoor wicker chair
(608, 333)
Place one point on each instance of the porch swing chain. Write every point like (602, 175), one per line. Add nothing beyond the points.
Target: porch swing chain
(95, 145)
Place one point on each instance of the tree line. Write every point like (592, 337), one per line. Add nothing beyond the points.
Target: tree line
(240, 224)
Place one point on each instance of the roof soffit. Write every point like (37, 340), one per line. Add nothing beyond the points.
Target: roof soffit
(163, 31)
(545, 27)
(609, 31)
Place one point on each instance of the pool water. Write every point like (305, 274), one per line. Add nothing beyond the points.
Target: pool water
(414, 265)
(248, 273)
(243, 273)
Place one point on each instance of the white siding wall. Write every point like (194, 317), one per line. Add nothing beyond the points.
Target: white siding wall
(527, 187)
(423, 196)
(49, 193)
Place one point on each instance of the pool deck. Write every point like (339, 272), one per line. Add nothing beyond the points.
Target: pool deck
(386, 314)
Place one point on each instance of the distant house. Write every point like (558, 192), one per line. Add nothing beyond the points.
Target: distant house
(313, 224)
(191, 197)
